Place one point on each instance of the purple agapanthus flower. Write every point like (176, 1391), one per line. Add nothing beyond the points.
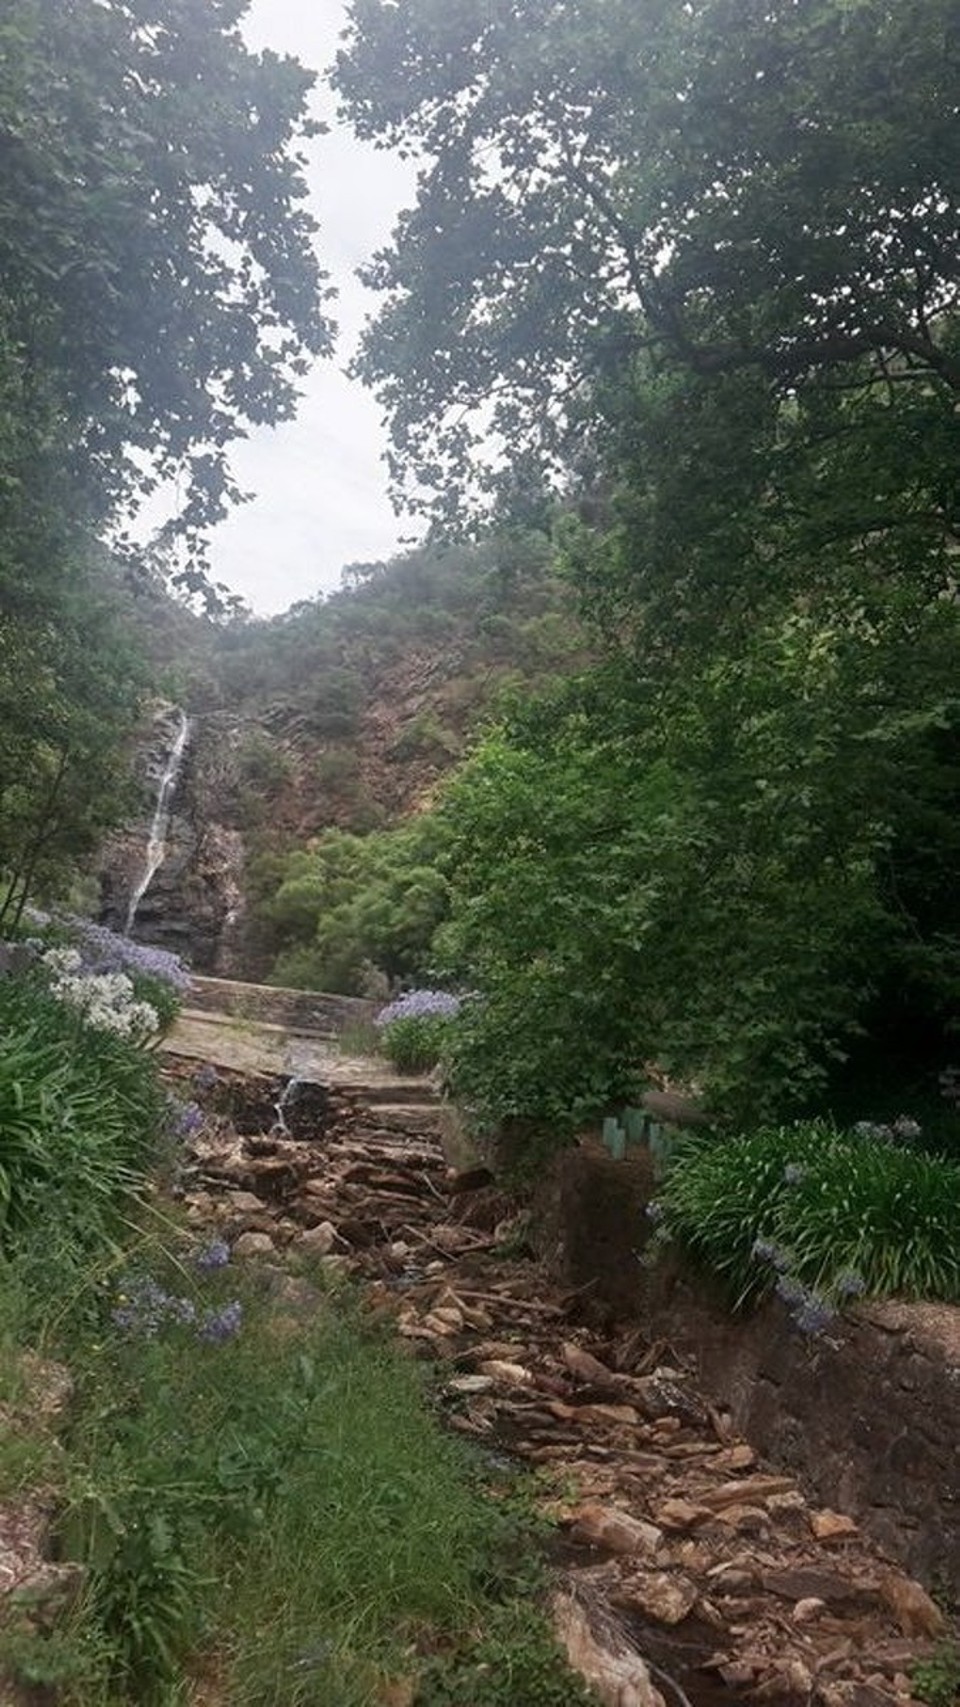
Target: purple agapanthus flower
(791, 1292)
(212, 1256)
(813, 1315)
(184, 1119)
(143, 1307)
(767, 1250)
(420, 1004)
(104, 950)
(205, 1078)
(221, 1325)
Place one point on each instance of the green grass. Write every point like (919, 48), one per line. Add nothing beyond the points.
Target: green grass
(284, 1505)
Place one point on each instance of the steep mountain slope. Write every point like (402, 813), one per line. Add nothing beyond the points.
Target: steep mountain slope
(346, 712)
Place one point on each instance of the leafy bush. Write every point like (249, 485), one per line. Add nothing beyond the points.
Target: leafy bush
(80, 1112)
(833, 1212)
(732, 869)
(352, 901)
(415, 1030)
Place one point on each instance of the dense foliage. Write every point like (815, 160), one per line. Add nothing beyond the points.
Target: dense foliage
(704, 265)
(732, 199)
(70, 693)
(730, 876)
(160, 289)
(817, 1215)
(351, 908)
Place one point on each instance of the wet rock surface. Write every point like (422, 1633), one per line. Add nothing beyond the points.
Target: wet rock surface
(696, 1572)
(195, 902)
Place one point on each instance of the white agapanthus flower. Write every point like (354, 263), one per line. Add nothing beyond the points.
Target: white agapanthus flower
(105, 999)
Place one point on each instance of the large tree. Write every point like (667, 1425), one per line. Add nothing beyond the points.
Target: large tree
(159, 290)
(750, 191)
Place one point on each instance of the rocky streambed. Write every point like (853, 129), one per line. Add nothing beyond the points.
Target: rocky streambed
(690, 1571)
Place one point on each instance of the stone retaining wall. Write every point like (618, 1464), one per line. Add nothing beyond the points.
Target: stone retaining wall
(868, 1415)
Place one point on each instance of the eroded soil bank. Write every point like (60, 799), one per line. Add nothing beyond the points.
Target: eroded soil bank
(866, 1416)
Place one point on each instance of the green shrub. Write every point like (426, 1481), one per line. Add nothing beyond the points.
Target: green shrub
(80, 1112)
(351, 899)
(516, 1660)
(287, 1500)
(936, 1680)
(831, 1211)
(417, 1044)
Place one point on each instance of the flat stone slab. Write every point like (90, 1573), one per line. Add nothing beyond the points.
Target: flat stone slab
(250, 1046)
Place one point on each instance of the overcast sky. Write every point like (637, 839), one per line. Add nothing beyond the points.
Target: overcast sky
(321, 485)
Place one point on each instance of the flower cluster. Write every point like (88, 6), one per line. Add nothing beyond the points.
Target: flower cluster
(903, 1130)
(221, 1325)
(144, 1308)
(104, 951)
(184, 1118)
(810, 1311)
(105, 1000)
(767, 1250)
(419, 1004)
(212, 1256)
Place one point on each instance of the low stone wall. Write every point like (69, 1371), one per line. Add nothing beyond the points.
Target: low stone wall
(867, 1416)
(296, 1010)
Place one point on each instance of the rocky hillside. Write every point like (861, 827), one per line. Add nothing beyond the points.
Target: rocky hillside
(343, 712)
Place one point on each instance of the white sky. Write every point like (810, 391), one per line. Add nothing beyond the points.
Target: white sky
(320, 482)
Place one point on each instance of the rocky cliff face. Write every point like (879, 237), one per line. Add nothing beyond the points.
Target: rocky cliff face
(194, 902)
(294, 730)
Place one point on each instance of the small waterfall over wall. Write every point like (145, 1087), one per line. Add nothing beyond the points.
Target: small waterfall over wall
(160, 824)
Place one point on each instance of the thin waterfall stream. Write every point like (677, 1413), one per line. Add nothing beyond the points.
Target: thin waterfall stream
(157, 840)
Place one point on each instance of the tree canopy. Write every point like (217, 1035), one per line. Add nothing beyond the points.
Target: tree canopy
(159, 294)
(751, 188)
(160, 290)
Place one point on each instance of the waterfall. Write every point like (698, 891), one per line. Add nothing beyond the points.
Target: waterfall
(157, 841)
